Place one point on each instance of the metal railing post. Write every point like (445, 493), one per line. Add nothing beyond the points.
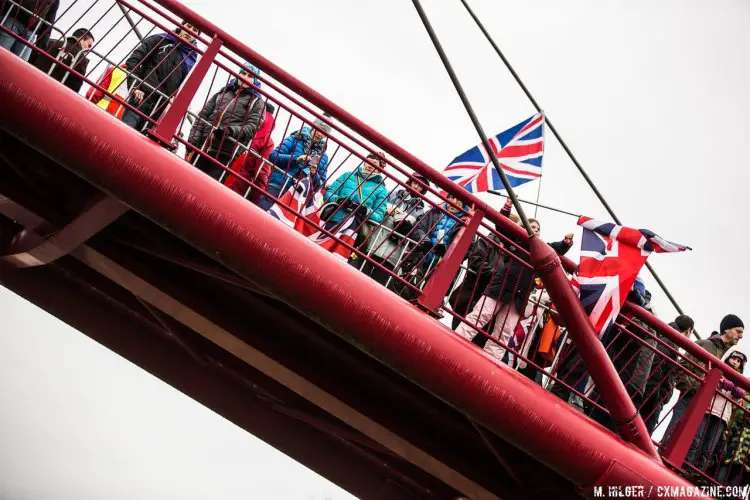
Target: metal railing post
(432, 295)
(687, 427)
(167, 125)
(624, 414)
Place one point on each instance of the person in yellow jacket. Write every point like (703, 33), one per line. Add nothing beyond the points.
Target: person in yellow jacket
(114, 80)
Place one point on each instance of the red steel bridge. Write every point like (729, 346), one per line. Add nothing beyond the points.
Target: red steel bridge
(112, 231)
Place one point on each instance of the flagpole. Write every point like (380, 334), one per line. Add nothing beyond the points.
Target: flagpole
(473, 116)
(553, 209)
(566, 148)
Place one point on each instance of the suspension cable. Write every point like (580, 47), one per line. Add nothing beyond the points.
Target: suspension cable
(473, 116)
(565, 146)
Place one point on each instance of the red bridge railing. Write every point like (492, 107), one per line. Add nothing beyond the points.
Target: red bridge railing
(401, 245)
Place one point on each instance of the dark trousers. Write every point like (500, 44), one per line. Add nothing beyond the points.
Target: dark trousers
(209, 167)
(133, 119)
(652, 406)
(376, 273)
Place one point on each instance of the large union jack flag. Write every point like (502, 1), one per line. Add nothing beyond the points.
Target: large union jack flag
(519, 149)
(611, 258)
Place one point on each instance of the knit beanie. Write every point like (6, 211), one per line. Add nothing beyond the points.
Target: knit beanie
(321, 125)
(730, 321)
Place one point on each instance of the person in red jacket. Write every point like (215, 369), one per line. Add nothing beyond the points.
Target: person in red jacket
(252, 167)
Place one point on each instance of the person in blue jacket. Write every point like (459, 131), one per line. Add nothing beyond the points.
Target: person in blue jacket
(361, 191)
(301, 153)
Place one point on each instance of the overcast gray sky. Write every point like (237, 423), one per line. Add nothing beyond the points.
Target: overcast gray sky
(651, 96)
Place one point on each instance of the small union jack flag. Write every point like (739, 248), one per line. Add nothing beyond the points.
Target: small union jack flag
(611, 258)
(309, 204)
(519, 149)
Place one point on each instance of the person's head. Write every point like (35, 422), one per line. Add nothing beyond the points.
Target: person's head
(454, 205)
(416, 186)
(515, 218)
(84, 38)
(320, 133)
(737, 361)
(731, 329)
(685, 324)
(373, 164)
(249, 72)
(188, 32)
(535, 226)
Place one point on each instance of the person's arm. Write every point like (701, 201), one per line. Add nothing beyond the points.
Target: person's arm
(422, 228)
(74, 82)
(247, 131)
(135, 60)
(378, 212)
(321, 174)
(282, 155)
(332, 193)
(45, 28)
(201, 127)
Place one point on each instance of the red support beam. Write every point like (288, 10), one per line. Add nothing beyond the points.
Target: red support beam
(616, 398)
(440, 281)
(686, 429)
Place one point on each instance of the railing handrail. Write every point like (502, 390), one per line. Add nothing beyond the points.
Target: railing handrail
(689, 346)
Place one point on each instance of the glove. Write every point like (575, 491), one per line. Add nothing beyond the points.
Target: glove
(726, 385)
(440, 250)
(738, 393)
(425, 246)
(361, 212)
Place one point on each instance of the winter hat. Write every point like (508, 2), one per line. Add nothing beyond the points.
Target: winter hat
(730, 321)
(639, 286)
(421, 178)
(321, 125)
(252, 69)
(739, 355)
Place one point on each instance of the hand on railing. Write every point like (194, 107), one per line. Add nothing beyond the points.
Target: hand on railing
(726, 385)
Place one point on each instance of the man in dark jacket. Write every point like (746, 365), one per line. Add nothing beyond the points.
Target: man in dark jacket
(30, 20)
(505, 298)
(231, 116)
(663, 376)
(434, 234)
(157, 68)
(730, 333)
(70, 52)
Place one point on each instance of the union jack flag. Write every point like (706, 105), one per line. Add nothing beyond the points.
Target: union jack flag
(519, 149)
(309, 203)
(611, 258)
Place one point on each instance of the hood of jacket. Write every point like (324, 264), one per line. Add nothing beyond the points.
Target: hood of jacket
(189, 55)
(375, 177)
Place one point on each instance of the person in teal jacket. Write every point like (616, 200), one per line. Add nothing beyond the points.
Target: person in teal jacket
(361, 190)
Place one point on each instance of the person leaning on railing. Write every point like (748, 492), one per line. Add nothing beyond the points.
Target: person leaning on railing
(361, 192)
(506, 294)
(29, 19)
(389, 241)
(231, 115)
(734, 467)
(663, 376)
(631, 358)
(434, 234)
(730, 333)
(71, 52)
(161, 63)
(253, 165)
(301, 153)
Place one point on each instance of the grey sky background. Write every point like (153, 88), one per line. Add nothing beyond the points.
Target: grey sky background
(651, 96)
